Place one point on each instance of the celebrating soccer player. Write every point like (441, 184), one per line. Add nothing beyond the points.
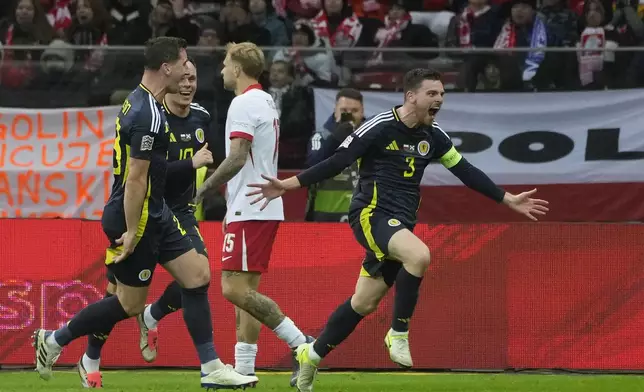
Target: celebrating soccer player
(142, 230)
(188, 156)
(393, 149)
(252, 134)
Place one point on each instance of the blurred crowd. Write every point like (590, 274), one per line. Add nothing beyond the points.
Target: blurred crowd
(303, 38)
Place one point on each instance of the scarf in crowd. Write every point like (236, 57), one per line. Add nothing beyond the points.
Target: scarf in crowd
(386, 35)
(508, 39)
(591, 61)
(59, 16)
(346, 35)
(465, 25)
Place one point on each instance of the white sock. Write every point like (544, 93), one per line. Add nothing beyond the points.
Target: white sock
(288, 332)
(313, 356)
(149, 321)
(91, 365)
(245, 355)
(52, 343)
(211, 366)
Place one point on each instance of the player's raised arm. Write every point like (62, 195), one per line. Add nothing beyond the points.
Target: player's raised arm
(350, 150)
(475, 179)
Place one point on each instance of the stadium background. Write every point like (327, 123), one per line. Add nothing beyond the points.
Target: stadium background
(500, 294)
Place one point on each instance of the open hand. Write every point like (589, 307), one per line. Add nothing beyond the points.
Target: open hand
(525, 205)
(267, 191)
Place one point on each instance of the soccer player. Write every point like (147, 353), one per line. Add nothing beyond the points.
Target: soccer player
(393, 149)
(142, 230)
(252, 133)
(188, 158)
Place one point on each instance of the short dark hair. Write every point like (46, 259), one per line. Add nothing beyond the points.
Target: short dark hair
(414, 78)
(162, 50)
(290, 68)
(350, 93)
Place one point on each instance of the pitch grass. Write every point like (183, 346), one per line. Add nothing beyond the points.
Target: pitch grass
(174, 381)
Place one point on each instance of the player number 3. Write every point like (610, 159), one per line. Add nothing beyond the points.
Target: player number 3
(412, 169)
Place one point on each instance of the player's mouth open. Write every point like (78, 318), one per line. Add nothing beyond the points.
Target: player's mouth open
(433, 111)
(185, 93)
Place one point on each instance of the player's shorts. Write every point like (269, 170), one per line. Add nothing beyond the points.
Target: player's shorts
(189, 223)
(373, 231)
(248, 245)
(191, 226)
(162, 240)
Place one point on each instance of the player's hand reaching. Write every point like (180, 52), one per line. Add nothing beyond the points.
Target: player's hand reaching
(202, 158)
(526, 205)
(267, 191)
(128, 243)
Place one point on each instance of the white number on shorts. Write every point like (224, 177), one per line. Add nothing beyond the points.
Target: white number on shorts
(229, 242)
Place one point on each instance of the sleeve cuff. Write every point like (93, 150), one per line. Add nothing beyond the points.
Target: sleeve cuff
(243, 135)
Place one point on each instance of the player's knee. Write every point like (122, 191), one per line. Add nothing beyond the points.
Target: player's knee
(420, 257)
(363, 304)
(200, 277)
(231, 291)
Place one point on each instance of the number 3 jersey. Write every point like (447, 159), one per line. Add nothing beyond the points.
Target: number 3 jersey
(187, 136)
(253, 116)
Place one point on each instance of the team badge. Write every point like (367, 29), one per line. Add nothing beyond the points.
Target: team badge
(393, 222)
(199, 134)
(423, 147)
(145, 275)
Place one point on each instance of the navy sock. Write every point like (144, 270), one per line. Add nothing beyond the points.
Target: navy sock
(96, 340)
(407, 287)
(196, 314)
(168, 302)
(98, 316)
(340, 325)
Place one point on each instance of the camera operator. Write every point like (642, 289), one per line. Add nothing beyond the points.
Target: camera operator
(329, 200)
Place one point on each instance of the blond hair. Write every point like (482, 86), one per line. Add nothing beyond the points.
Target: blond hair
(249, 56)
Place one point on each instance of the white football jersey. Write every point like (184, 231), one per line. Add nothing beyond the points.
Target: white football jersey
(253, 116)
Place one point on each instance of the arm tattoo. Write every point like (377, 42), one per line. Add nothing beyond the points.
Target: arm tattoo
(229, 168)
(262, 308)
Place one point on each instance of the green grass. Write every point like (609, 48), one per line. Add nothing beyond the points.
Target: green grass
(180, 381)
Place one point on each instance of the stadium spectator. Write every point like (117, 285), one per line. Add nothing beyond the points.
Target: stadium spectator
(527, 70)
(168, 20)
(296, 113)
(597, 69)
(338, 26)
(376, 9)
(477, 26)
(400, 31)
(263, 15)
(27, 25)
(89, 27)
(317, 68)
(239, 25)
(630, 32)
(560, 21)
(129, 22)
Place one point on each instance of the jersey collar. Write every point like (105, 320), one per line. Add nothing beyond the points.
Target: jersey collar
(252, 87)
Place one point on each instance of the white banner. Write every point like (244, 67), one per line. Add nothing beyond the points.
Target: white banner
(539, 138)
(56, 162)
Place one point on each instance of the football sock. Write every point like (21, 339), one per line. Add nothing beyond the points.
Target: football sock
(407, 287)
(340, 325)
(196, 315)
(245, 355)
(99, 316)
(168, 302)
(95, 342)
(288, 332)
